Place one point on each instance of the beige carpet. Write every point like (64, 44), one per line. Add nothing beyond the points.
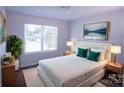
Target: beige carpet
(98, 84)
(33, 80)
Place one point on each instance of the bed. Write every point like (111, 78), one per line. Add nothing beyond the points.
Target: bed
(72, 71)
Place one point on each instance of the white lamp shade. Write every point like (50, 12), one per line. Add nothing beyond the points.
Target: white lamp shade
(70, 43)
(116, 49)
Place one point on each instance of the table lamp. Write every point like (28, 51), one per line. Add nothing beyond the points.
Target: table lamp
(115, 49)
(70, 44)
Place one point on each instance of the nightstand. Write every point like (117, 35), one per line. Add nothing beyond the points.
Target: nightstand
(116, 68)
(8, 74)
(68, 52)
(114, 74)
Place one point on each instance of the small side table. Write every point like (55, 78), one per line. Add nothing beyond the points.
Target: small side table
(68, 52)
(8, 74)
(116, 68)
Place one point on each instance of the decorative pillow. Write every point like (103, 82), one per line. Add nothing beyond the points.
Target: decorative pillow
(102, 53)
(92, 55)
(81, 52)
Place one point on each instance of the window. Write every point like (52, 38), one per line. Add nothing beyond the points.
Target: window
(40, 38)
(32, 38)
(49, 38)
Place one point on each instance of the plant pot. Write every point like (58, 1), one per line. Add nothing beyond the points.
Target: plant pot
(17, 65)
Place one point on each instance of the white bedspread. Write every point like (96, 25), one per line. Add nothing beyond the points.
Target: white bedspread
(69, 70)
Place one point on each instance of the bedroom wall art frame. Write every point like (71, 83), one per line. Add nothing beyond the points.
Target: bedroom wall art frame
(3, 34)
(96, 31)
(2, 28)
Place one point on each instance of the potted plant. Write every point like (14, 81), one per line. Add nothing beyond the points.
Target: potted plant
(7, 58)
(14, 45)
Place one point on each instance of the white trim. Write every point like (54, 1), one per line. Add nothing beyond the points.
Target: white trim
(49, 50)
(32, 52)
(40, 51)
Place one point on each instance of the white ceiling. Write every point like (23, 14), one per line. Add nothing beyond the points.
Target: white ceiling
(63, 13)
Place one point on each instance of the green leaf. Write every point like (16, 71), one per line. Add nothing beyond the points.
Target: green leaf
(14, 45)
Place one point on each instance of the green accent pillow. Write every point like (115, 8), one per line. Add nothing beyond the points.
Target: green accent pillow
(82, 52)
(92, 55)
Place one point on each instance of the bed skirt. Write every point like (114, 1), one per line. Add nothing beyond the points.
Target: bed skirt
(87, 83)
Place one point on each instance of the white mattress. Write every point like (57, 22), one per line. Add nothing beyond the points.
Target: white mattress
(69, 70)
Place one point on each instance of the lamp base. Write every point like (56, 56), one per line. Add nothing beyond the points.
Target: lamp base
(115, 59)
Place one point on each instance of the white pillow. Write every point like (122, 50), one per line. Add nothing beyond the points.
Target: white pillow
(102, 53)
(83, 47)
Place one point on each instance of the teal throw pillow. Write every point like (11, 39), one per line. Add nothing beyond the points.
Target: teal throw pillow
(92, 55)
(82, 52)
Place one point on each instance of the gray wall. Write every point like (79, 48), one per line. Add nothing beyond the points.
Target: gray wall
(15, 25)
(116, 34)
(3, 11)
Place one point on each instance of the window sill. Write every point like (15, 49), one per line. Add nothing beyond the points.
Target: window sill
(40, 52)
(49, 51)
(32, 52)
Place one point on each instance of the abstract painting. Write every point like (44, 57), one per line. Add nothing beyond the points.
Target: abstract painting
(1, 28)
(96, 31)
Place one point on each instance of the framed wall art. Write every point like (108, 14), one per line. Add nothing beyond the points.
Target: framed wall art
(96, 31)
(1, 28)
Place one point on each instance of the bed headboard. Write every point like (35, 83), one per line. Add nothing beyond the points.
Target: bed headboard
(96, 45)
